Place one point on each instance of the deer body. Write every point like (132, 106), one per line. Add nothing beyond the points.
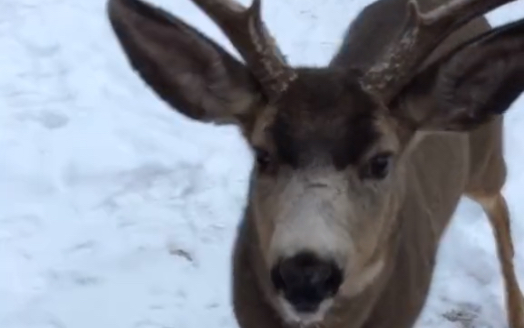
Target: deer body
(360, 165)
(443, 168)
(398, 294)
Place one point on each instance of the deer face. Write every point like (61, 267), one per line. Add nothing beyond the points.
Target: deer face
(330, 143)
(325, 189)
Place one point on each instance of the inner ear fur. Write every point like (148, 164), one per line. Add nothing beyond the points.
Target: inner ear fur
(477, 81)
(190, 72)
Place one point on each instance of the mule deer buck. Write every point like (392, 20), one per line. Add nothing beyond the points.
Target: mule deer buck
(359, 165)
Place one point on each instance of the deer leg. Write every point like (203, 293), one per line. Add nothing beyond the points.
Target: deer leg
(496, 209)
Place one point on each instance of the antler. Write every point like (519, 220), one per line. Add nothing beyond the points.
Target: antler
(248, 34)
(422, 33)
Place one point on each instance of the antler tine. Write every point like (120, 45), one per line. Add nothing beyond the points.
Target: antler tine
(422, 33)
(246, 31)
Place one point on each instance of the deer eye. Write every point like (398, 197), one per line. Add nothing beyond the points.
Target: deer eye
(263, 158)
(378, 166)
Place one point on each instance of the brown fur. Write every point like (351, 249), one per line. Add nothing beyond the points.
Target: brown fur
(313, 146)
(398, 295)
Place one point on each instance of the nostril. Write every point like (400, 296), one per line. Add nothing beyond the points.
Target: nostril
(334, 279)
(277, 278)
(306, 268)
(306, 280)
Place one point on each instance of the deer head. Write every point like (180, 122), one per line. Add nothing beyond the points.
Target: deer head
(330, 143)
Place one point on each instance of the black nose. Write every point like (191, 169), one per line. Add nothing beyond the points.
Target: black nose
(306, 280)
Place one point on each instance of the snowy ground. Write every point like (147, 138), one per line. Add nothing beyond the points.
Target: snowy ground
(118, 213)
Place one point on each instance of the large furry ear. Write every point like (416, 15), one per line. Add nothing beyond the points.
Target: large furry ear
(186, 69)
(468, 87)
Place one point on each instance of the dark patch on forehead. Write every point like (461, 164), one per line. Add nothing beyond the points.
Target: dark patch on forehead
(324, 116)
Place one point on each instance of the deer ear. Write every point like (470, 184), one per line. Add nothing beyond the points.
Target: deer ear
(190, 72)
(468, 87)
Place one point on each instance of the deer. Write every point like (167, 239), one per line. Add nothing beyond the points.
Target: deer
(359, 165)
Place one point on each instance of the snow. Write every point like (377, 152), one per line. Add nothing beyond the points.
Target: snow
(116, 212)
